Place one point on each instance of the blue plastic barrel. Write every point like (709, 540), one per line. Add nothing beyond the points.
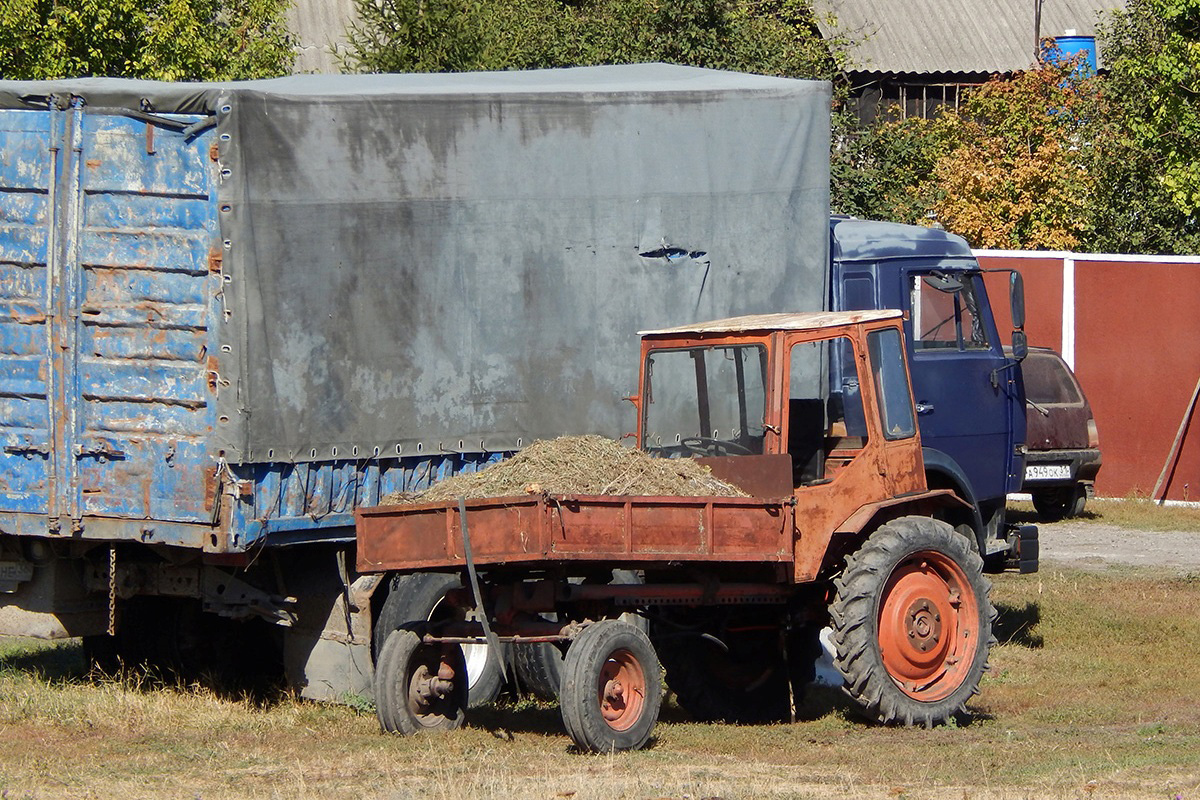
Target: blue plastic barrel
(1071, 46)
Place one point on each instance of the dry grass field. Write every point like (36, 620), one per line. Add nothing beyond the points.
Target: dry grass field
(1094, 693)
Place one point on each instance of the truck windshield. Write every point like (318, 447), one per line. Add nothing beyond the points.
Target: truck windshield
(945, 312)
(706, 401)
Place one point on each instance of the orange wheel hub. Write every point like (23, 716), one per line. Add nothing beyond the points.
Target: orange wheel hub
(621, 689)
(928, 626)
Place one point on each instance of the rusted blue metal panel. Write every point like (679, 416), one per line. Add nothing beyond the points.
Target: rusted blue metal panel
(28, 164)
(290, 503)
(107, 311)
(147, 303)
(110, 303)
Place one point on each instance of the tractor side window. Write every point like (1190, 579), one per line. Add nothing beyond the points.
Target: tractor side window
(706, 401)
(826, 426)
(945, 313)
(891, 383)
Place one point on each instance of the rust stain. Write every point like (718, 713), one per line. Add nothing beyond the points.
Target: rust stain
(214, 259)
(212, 371)
(214, 152)
(211, 487)
(92, 163)
(28, 319)
(147, 490)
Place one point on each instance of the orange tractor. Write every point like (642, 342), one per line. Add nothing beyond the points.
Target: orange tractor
(812, 415)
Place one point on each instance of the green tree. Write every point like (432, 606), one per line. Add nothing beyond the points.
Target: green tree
(767, 36)
(885, 171)
(1146, 156)
(157, 39)
(1012, 168)
(1018, 174)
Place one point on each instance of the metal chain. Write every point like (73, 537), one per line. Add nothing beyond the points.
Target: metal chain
(112, 590)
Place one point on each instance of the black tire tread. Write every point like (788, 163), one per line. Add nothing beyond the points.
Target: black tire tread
(1059, 502)
(391, 709)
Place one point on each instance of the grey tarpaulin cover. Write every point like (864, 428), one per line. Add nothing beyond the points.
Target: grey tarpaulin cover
(463, 261)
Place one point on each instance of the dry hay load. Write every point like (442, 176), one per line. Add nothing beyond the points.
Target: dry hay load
(577, 465)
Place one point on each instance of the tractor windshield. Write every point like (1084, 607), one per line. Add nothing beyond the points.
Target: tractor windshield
(707, 401)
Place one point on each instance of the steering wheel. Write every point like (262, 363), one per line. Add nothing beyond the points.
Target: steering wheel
(707, 446)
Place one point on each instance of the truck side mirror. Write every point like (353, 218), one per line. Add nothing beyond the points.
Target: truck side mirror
(1016, 299)
(1020, 345)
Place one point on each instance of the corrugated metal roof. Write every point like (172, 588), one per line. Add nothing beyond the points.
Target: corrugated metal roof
(957, 36)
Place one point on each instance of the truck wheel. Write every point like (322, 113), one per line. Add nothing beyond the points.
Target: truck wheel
(419, 597)
(912, 623)
(611, 688)
(539, 668)
(1058, 503)
(419, 687)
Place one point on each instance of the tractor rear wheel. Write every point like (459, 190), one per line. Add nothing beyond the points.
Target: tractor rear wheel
(912, 623)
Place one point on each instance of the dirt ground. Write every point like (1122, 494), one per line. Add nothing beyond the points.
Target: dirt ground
(1089, 545)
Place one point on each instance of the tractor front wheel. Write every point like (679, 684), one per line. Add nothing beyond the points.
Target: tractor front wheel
(419, 686)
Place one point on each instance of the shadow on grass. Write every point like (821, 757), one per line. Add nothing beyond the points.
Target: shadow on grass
(68, 663)
(55, 662)
(822, 701)
(1015, 625)
(506, 717)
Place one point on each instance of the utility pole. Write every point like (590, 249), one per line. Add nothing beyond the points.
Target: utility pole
(1037, 31)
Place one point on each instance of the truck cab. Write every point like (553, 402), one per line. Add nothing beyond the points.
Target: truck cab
(970, 400)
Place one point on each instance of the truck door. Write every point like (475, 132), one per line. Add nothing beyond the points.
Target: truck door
(110, 270)
(147, 284)
(28, 173)
(962, 402)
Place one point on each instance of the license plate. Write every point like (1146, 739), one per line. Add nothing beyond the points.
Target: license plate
(1047, 472)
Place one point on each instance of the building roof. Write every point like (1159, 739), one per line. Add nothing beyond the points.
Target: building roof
(951, 36)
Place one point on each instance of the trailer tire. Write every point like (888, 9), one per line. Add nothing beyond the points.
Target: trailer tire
(539, 666)
(418, 597)
(418, 686)
(611, 688)
(912, 623)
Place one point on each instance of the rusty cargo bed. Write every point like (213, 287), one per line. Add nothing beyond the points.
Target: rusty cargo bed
(547, 528)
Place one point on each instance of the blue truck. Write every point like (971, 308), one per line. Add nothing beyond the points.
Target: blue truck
(969, 393)
(231, 314)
